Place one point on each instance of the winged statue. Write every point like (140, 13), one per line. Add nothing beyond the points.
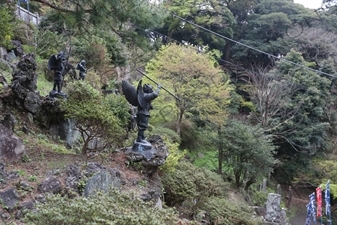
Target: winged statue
(141, 98)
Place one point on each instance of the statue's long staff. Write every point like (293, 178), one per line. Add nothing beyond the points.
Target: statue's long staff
(157, 84)
(66, 64)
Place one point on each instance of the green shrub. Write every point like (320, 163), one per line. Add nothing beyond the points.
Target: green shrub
(25, 34)
(120, 108)
(164, 131)
(82, 91)
(198, 192)
(191, 182)
(209, 159)
(111, 208)
(6, 27)
(174, 155)
(226, 212)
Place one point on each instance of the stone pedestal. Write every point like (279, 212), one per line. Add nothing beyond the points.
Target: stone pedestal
(55, 94)
(150, 154)
(141, 146)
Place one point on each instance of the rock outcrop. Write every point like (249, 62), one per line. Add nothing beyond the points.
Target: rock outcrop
(150, 157)
(11, 147)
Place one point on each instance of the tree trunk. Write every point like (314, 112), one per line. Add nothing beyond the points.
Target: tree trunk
(180, 119)
(85, 146)
(289, 197)
(220, 152)
(237, 178)
(227, 51)
(249, 182)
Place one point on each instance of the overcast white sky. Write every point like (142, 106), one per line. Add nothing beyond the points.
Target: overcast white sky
(312, 4)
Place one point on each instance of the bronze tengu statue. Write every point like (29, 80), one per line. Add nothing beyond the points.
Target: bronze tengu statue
(141, 98)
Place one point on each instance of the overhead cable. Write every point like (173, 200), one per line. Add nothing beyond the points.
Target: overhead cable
(255, 49)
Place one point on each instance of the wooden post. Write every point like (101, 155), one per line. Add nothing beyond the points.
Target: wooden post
(289, 197)
(278, 189)
(264, 185)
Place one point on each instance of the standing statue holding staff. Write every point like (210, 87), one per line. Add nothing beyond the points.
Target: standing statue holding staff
(83, 70)
(141, 98)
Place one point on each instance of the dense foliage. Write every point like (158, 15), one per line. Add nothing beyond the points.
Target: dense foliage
(111, 208)
(195, 191)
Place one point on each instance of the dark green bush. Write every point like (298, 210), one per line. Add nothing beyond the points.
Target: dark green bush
(190, 182)
(227, 212)
(111, 208)
(198, 191)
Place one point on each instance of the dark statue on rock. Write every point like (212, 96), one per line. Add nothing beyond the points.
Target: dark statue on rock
(57, 63)
(141, 98)
(83, 70)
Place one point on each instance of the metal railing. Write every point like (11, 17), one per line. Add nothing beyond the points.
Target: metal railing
(27, 16)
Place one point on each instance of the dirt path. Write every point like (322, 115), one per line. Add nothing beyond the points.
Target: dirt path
(298, 211)
(299, 218)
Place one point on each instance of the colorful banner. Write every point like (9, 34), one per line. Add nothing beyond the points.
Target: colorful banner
(319, 201)
(312, 206)
(308, 219)
(327, 199)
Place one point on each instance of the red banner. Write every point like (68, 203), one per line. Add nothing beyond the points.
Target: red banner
(319, 201)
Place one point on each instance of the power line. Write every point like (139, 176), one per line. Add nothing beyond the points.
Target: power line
(255, 49)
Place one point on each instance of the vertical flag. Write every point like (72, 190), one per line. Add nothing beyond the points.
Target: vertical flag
(308, 219)
(327, 199)
(312, 206)
(319, 201)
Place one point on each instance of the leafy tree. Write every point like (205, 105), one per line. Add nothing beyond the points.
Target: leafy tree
(315, 43)
(100, 12)
(92, 117)
(266, 27)
(118, 20)
(248, 151)
(47, 42)
(307, 128)
(288, 98)
(291, 104)
(195, 80)
(213, 15)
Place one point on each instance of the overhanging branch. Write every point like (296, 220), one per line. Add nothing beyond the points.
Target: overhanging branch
(57, 7)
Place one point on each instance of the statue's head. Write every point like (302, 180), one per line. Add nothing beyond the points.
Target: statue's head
(147, 88)
(61, 56)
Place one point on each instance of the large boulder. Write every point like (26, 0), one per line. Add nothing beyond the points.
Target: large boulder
(32, 102)
(11, 147)
(9, 198)
(102, 181)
